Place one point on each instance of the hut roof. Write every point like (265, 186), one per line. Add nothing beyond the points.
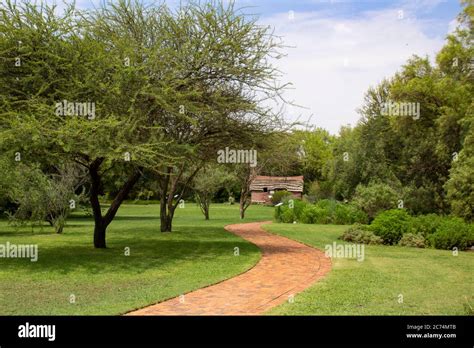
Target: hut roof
(289, 183)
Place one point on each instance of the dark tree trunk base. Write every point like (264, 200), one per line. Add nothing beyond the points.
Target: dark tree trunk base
(99, 237)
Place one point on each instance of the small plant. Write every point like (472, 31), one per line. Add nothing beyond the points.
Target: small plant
(390, 225)
(357, 234)
(425, 224)
(44, 197)
(312, 215)
(375, 197)
(288, 216)
(349, 214)
(412, 240)
(452, 232)
(290, 210)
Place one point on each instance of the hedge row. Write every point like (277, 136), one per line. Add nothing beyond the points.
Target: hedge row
(391, 227)
(323, 212)
(396, 226)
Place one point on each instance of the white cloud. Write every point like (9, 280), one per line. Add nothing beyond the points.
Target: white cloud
(453, 25)
(335, 60)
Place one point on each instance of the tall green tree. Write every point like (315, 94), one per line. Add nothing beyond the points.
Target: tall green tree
(71, 90)
(207, 183)
(219, 74)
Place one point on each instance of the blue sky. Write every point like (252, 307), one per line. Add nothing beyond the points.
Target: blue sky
(341, 47)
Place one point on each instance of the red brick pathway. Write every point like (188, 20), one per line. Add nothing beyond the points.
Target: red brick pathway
(286, 268)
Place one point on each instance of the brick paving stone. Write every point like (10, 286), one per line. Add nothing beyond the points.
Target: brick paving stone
(286, 268)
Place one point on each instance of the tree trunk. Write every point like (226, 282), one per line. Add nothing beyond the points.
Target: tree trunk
(166, 222)
(244, 203)
(99, 235)
(206, 212)
(99, 228)
(169, 222)
(101, 222)
(59, 227)
(168, 189)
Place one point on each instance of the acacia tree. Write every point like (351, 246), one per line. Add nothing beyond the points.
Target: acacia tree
(162, 91)
(219, 74)
(44, 197)
(71, 89)
(206, 184)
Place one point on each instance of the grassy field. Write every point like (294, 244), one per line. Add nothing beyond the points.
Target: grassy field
(430, 281)
(160, 266)
(200, 253)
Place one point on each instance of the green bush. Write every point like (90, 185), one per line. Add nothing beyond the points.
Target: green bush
(285, 213)
(357, 234)
(323, 212)
(327, 204)
(341, 214)
(375, 197)
(308, 216)
(288, 216)
(355, 214)
(390, 225)
(312, 215)
(452, 232)
(278, 212)
(425, 224)
(298, 207)
(412, 240)
(279, 196)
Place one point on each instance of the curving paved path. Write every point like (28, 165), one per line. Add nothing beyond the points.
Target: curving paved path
(286, 268)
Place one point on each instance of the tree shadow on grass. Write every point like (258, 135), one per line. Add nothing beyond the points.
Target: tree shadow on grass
(144, 255)
(134, 218)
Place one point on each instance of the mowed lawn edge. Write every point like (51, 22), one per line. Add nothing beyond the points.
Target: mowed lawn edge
(72, 278)
(391, 280)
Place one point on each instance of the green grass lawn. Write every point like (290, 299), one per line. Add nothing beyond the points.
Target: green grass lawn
(160, 265)
(432, 282)
(200, 253)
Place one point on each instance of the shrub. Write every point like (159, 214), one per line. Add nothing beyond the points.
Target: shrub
(357, 234)
(341, 214)
(309, 215)
(391, 225)
(452, 232)
(278, 212)
(44, 197)
(326, 211)
(279, 196)
(312, 215)
(298, 207)
(288, 216)
(425, 224)
(358, 216)
(284, 213)
(349, 214)
(323, 212)
(375, 197)
(412, 240)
